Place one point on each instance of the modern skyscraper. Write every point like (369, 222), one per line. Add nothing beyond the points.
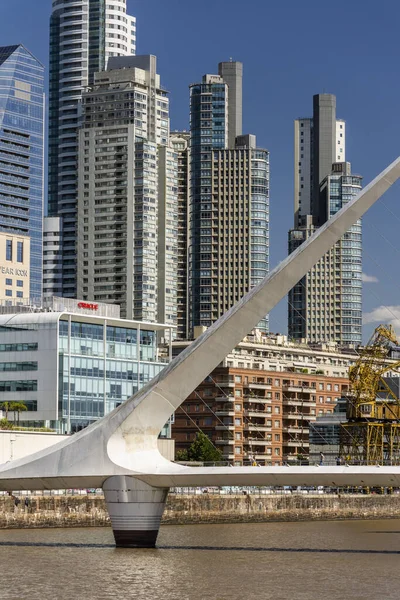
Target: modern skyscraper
(326, 304)
(127, 201)
(21, 160)
(180, 143)
(229, 200)
(232, 73)
(84, 34)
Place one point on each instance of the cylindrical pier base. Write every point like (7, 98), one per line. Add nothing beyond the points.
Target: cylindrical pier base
(135, 510)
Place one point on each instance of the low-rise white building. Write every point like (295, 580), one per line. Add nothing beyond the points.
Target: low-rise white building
(71, 362)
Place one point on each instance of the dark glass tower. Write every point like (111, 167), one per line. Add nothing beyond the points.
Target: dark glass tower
(21, 152)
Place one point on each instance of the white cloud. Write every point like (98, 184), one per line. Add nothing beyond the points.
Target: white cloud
(384, 314)
(369, 278)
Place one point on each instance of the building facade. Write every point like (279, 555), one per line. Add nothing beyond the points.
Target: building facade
(180, 143)
(229, 200)
(262, 401)
(22, 154)
(52, 257)
(84, 34)
(127, 193)
(326, 304)
(14, 268)
(71, 362)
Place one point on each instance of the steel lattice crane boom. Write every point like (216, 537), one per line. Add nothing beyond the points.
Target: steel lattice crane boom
(372, 432)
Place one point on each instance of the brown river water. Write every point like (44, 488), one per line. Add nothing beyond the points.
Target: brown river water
(345, 560)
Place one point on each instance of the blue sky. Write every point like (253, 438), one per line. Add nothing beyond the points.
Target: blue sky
(290, 50)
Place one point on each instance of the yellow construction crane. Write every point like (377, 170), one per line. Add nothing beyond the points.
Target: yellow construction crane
(371, 434)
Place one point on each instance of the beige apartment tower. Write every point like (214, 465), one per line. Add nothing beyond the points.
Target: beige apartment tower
(14, 268)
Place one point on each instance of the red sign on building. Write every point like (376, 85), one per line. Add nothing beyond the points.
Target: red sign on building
(88, 305)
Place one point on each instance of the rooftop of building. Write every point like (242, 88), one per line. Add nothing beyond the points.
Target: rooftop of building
(47, 311)
(279, 340)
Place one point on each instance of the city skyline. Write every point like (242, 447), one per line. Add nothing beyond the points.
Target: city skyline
(271, 114)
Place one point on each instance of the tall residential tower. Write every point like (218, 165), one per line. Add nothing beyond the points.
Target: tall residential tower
(229, 199)
(326, 304)
(127, 201)
(84, 34)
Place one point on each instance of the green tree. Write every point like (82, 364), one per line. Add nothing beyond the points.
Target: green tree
(4, 424)
(17, 408)
(6, 406)
(181, 455)
(203, 450)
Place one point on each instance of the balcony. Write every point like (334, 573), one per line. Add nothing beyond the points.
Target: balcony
(223, 442)
(224, 398)
(296, 415)
(257, 442)
(256, 400)
(225, 383)
(225, 412)
(258, 385)
(256, 413)
(296, 443)
(256, 427)
(294, 429)
(224, 427)
(298, 402)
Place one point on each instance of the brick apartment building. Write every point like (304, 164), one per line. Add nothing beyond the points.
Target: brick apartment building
(260, 403)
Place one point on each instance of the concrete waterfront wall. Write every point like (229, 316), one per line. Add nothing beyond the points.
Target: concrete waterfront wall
(85, 511)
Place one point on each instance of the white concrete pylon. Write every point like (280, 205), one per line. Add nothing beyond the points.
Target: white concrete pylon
(135, 510)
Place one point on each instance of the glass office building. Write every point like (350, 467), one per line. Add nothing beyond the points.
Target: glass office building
(72, 367)
(21, 152)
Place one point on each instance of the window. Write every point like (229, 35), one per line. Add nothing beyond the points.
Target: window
(277, 424)
(238, 422)
(238, 407)
(238, 435)
(277, 396)
(8, 281)
(20, 294)
(277, 437)
(20, 252)
(321, 399)
(9, 250)
(329, 387)
(18, 366)
(321, 386)
(20, 283)
(18, 386)
(277, 382)
(238, 393)
(8, 292)
(277, 410)
(277, 451)
(18, 347)
(238, 379)
(238, 450)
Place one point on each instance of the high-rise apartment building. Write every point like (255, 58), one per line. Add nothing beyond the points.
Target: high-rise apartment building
(127, 200)
(326, 304)
(229, 200)
(21, 164)
(84, 34)
(180, 143)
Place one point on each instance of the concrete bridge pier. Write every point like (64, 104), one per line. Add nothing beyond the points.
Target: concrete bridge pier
(135, 510)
